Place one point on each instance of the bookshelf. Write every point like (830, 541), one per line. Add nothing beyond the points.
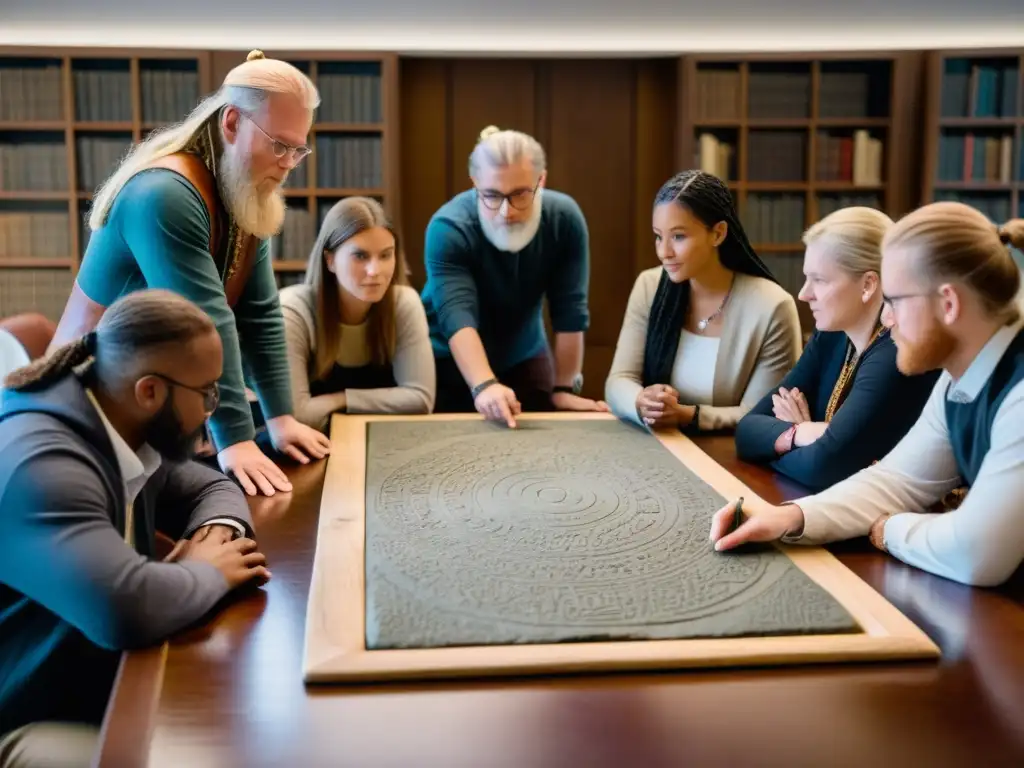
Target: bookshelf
(974, 139)
(354, 140)
(67, 117)
(799, 136)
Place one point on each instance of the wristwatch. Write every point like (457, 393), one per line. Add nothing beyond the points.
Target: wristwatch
(575, 389)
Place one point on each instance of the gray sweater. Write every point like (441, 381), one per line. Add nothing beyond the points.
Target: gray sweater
(72, 591)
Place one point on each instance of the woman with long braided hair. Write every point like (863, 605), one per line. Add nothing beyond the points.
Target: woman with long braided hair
(710, 331)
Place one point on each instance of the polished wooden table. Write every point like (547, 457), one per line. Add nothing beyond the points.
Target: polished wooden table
(231, 693)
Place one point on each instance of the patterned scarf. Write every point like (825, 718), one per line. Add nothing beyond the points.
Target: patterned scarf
(845, 381)
(206, 143)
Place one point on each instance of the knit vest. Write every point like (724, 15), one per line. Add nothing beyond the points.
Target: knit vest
(970, 424)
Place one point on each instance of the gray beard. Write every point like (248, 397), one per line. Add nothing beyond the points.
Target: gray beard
(260, 214)
(513, 238)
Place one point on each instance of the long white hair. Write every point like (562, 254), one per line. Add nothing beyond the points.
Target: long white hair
(246, 87)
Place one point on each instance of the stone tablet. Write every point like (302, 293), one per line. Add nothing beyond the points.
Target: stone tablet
(559, 531)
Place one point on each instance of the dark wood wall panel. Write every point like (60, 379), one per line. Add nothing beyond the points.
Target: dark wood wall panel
(486, 92)
(425, 175)
(607, 129)
(591, 155)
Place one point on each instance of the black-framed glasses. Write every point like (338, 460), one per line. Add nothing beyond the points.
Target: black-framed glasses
(210, 393)
(520, 199)
(281, 148)
(890, 301)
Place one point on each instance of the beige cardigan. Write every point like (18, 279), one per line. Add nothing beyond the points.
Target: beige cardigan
(760, 343)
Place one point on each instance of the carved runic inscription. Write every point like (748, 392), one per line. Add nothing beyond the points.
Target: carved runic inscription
(559, 531)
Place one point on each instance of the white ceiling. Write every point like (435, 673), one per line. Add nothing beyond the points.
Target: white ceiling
(504, 27)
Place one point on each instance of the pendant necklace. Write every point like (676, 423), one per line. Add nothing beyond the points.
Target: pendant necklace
(703, 324)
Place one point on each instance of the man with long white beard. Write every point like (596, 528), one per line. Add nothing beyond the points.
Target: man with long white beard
(191, 210)
(493, 253)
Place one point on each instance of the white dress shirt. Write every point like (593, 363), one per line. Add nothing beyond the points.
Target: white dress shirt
(982, 541)
(137, 467)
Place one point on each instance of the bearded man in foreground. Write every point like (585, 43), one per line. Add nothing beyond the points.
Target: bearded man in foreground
(191, 210)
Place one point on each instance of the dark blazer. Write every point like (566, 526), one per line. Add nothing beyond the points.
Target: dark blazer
(879, 410)
(72, 592)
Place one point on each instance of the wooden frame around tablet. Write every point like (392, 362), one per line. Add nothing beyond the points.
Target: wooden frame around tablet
(335, 647)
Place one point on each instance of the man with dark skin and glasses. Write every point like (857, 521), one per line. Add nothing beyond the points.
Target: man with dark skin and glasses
(95, 446)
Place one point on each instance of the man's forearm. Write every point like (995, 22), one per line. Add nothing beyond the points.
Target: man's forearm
(470, 356)
(568, 357)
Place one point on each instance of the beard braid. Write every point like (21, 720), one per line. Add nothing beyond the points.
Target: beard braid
(512, 238)
(260, 213)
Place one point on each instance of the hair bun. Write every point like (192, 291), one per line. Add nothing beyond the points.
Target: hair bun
(254, 54)
(489, 131)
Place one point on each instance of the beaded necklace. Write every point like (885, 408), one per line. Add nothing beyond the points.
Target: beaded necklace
(841, 389)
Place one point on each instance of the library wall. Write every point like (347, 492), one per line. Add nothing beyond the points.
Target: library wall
(607, 129)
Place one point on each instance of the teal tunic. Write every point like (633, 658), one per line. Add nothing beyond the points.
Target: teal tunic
(157, 235)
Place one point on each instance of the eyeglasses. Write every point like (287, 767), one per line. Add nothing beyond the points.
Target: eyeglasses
(280, 148)
(890, 301)
(520, 199)
(210, 393)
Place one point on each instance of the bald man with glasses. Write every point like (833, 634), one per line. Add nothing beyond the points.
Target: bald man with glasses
(191, 210)
(493, 254)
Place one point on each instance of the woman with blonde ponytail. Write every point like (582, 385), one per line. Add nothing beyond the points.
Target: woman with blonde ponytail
(951, 299)
(845, 404)
(191, 210)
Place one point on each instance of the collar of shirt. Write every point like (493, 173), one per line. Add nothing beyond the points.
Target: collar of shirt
(136, 467)
(981, 368)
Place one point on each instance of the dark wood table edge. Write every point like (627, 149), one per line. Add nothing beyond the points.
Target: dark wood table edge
(128, 722)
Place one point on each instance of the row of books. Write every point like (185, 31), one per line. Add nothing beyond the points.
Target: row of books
(779, 94)
(980, 89)
(717, 94)
(856, 159)
(31, 92)
(296, 237)
(788, 269)
(33, 166)
(998, 207)
(849, 95)
(977, 157)
(777, 155)
(831, 203)
(349, 98)
(96, 158)
(715, 156)
(168, 95)
(35, 290)
(348, 161)
(103, 95)
(774, 218)
(34, 235)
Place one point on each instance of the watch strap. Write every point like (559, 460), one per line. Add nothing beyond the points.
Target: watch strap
(482, 386)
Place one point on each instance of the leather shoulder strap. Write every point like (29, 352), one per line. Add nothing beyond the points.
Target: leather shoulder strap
(192, 168)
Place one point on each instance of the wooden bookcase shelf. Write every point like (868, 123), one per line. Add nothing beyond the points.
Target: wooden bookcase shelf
(799, 136)
(974, 134)
(67, 116)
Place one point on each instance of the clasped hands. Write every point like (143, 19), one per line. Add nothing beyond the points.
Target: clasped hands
(499, 403)
(658, 407)
(791, 405)
(238, 560)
